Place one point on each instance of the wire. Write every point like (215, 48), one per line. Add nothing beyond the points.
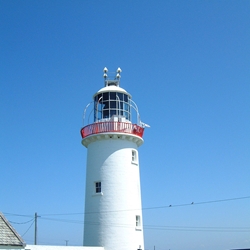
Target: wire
(158, 207)
(21, 215)
(29, 227)
(62, 220)
(198, 203)
(199, 229)
(62, 214)
(166, 228)
(178, 205)
(147, 208)
(146, 227)
(21, 222)
(202, 230)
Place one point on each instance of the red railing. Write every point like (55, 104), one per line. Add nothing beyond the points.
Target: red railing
(104, 127)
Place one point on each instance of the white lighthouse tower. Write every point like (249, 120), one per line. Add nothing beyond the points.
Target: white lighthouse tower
(113, 214)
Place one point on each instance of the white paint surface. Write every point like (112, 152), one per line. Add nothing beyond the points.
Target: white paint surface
(110, 217)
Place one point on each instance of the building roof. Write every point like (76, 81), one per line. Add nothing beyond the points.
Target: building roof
(44, 247)
(8, 235)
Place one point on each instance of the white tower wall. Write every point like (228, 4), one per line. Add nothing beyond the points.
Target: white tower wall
(111, 217)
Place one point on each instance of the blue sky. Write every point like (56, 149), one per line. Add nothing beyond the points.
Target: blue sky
(187, 66)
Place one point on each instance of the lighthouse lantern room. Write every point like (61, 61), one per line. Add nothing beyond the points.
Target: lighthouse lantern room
(113, 212)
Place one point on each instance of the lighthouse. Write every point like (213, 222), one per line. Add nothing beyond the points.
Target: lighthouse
(113, 211)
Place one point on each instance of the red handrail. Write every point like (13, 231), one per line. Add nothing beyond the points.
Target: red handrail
(104, 127)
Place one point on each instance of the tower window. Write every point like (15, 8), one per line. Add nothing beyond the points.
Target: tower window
(134, 156)
(98, 187)
(138, 221)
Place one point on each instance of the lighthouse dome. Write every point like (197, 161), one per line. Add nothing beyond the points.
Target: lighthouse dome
(112, 88)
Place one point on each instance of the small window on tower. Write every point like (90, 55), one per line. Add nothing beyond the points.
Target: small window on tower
(98, 187)
(134, 156)
(138, 221)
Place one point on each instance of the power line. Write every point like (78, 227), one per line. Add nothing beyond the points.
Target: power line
(29, 227)
(146, 208)
(62, 214)
(63, 220)
(21, 222)
(147, 227)
(166, 228)
(199, 229)
(198, 203)
(21, 215)
(158, 207)
(169, 228)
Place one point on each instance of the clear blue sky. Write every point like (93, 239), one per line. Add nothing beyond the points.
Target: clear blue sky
(187, 66)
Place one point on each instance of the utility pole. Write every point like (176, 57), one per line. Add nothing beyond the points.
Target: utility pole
(35, 241)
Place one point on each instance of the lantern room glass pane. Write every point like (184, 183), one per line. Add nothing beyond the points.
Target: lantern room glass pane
(112, 95)
(126, 106)
(125, 98)
(105, 105)
(105, 114)
(120, 96)
(99, 115)
(111, 103)
(120, 105)
(112, 112)
(126, 115)
(105, 96)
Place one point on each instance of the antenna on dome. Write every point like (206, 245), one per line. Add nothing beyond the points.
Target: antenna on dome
(105, 75)
(117, 77)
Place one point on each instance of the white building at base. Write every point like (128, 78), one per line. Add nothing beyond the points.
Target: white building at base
(45, 247)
